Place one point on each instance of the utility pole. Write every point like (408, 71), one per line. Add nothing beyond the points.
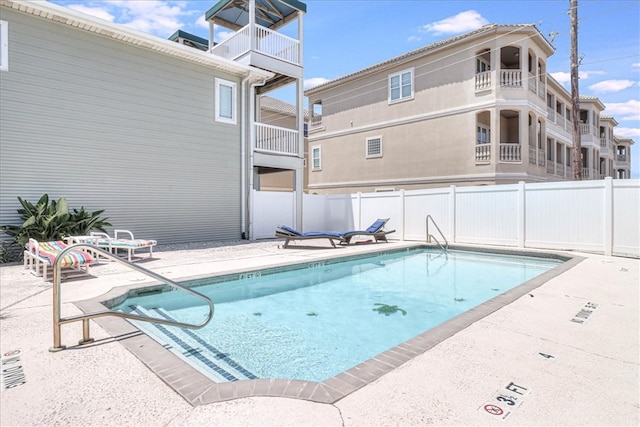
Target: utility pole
(575, 95)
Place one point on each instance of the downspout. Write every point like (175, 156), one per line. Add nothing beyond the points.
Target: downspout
(243, 159)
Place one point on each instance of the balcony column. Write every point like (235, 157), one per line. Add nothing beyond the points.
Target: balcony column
(252, 25)
(494, 140)
(524, 133)
(299, 173)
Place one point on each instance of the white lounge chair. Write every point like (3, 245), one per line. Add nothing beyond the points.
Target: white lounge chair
(39, 257)
(117, 242)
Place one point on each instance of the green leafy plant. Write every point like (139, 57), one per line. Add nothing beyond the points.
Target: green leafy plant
(51, 220)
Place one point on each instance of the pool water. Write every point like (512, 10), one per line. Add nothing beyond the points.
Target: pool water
(314, 322)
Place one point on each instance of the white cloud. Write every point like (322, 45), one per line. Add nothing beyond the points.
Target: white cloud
(611, 86)
(313, 82)
(627, 132)
(629, 110)
(160, 18)
(462, 22)
(98, 12)
(411, 39)
(565, 78)
(562, 77)
(636, 65)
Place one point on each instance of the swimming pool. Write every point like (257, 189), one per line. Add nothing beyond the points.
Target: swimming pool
(316, 321)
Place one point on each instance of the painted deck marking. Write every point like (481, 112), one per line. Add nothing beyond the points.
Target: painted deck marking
(505, 401)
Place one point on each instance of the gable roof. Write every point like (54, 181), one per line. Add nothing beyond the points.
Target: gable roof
(87, 23)
(426, 50)
(278, 106)
(272, 14)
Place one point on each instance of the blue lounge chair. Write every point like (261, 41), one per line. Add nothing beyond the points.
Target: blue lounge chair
(375, 230)
(289, 234)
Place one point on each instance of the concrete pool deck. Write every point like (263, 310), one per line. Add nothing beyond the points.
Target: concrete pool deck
(567, 353)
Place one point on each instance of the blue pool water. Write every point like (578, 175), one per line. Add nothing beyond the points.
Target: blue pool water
(314, 322)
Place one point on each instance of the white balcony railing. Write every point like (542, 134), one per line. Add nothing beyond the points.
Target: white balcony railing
(511, 78)
(267, 42)
(483, 80)
(483, 153)
(510, 153)
(276, 140)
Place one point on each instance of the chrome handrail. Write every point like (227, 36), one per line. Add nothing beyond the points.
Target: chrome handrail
(431, 236)
(59, 321)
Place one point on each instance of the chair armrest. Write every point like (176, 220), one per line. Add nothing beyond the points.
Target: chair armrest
(116, 232)
(100, 234)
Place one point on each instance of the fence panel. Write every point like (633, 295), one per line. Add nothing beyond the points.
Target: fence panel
(382, 205)
(487, 215)
(271, 208)
(419, 204)
(626, 225)
(565, 215)
(314, 212)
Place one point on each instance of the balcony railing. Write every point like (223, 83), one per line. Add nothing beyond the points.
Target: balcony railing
(621, 157)
(483, 80)
(276, 140)
(483, 153)
(510, 153)
(536, 157)
(551, 114)
(267, 42)
(511, 78)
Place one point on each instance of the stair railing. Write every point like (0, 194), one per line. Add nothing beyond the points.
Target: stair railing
(58, 321)
(430, 236)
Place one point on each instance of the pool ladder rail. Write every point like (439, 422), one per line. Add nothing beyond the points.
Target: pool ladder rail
(430, 236)
(86, 338)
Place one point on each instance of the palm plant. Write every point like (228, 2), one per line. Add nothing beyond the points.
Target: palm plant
(51, 220)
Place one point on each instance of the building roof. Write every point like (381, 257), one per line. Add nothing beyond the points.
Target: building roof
(278, 106)
(190, 40)
(434, 47)
(87, 23)
(273, 14)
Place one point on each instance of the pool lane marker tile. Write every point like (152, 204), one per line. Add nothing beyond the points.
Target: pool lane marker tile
(505, 401)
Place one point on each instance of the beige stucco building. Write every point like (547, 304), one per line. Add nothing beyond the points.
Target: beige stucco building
(475, 109)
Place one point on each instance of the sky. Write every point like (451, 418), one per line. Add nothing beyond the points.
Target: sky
(345, 36)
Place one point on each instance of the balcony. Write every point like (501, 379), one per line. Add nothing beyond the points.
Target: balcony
(266, 41)
(276, 140)
(509, 153)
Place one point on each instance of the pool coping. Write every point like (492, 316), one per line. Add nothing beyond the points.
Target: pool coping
(198, 389)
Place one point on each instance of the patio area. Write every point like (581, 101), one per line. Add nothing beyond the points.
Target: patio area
(569, 351)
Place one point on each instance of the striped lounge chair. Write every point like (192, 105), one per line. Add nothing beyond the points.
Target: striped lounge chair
(40, 256)
(118, 243)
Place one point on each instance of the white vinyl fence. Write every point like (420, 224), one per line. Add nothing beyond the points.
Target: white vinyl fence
(593, 216)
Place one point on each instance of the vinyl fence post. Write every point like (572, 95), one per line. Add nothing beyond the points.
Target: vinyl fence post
(522, 215)
(608, 216)
(452, 213)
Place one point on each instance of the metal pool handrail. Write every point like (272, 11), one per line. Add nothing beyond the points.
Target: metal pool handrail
(431, 236)
(59, 321)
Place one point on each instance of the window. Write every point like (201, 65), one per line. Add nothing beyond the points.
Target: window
(4, 46)
(401, 86)
(225, 101)
(482, 65)
(316, 163)
(374, 147)
(483, 135)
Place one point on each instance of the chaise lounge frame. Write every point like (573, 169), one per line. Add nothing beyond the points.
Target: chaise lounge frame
(290, 234)
(375, 230)
(39, 257)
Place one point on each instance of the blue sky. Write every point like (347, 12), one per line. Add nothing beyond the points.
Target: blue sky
(344, 36)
